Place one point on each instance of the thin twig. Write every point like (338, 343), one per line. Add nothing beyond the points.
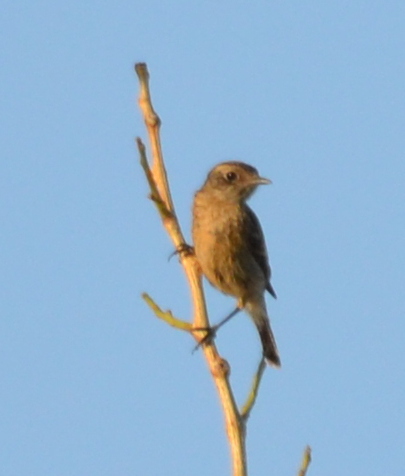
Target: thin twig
(153, 122)
(154, 195)
(250, 401)
(306, 460)
(166, 316)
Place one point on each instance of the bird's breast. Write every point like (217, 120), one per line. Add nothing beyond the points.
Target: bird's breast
(218, 243)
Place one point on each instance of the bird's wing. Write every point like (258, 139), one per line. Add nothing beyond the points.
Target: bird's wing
(257, 246)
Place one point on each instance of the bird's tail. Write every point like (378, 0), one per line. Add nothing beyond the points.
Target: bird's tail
(270, 351)
(258, 312)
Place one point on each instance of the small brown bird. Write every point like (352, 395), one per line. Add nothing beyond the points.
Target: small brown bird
(230, 247)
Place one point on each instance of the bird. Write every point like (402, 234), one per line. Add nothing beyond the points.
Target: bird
(230, 247)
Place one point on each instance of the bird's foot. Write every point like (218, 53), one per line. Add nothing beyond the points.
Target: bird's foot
(184, 249)
(208, 338)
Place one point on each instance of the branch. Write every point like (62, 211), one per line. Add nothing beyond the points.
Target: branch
(247, 407)
(306, 460)
(219, 368)
(155, 195)
(153, 123)
(166, 316)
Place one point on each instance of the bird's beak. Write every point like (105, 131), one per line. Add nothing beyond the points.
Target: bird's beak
(263, 181)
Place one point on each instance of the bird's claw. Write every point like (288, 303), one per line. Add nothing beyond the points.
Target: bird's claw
(183, 249)
(209, 336)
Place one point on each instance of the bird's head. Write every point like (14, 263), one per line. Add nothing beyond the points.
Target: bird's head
(233, 181)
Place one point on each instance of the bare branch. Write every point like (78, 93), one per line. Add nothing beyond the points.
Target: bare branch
(306, 460)
(153, 123)
(219, 367)
(155, 195)
(166, 316)
(247, 407)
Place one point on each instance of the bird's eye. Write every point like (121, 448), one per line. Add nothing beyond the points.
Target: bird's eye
(231, 176)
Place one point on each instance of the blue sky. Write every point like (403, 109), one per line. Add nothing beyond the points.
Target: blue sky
(310, 93)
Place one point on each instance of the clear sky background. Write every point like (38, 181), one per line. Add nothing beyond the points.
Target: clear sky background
(310, 93)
